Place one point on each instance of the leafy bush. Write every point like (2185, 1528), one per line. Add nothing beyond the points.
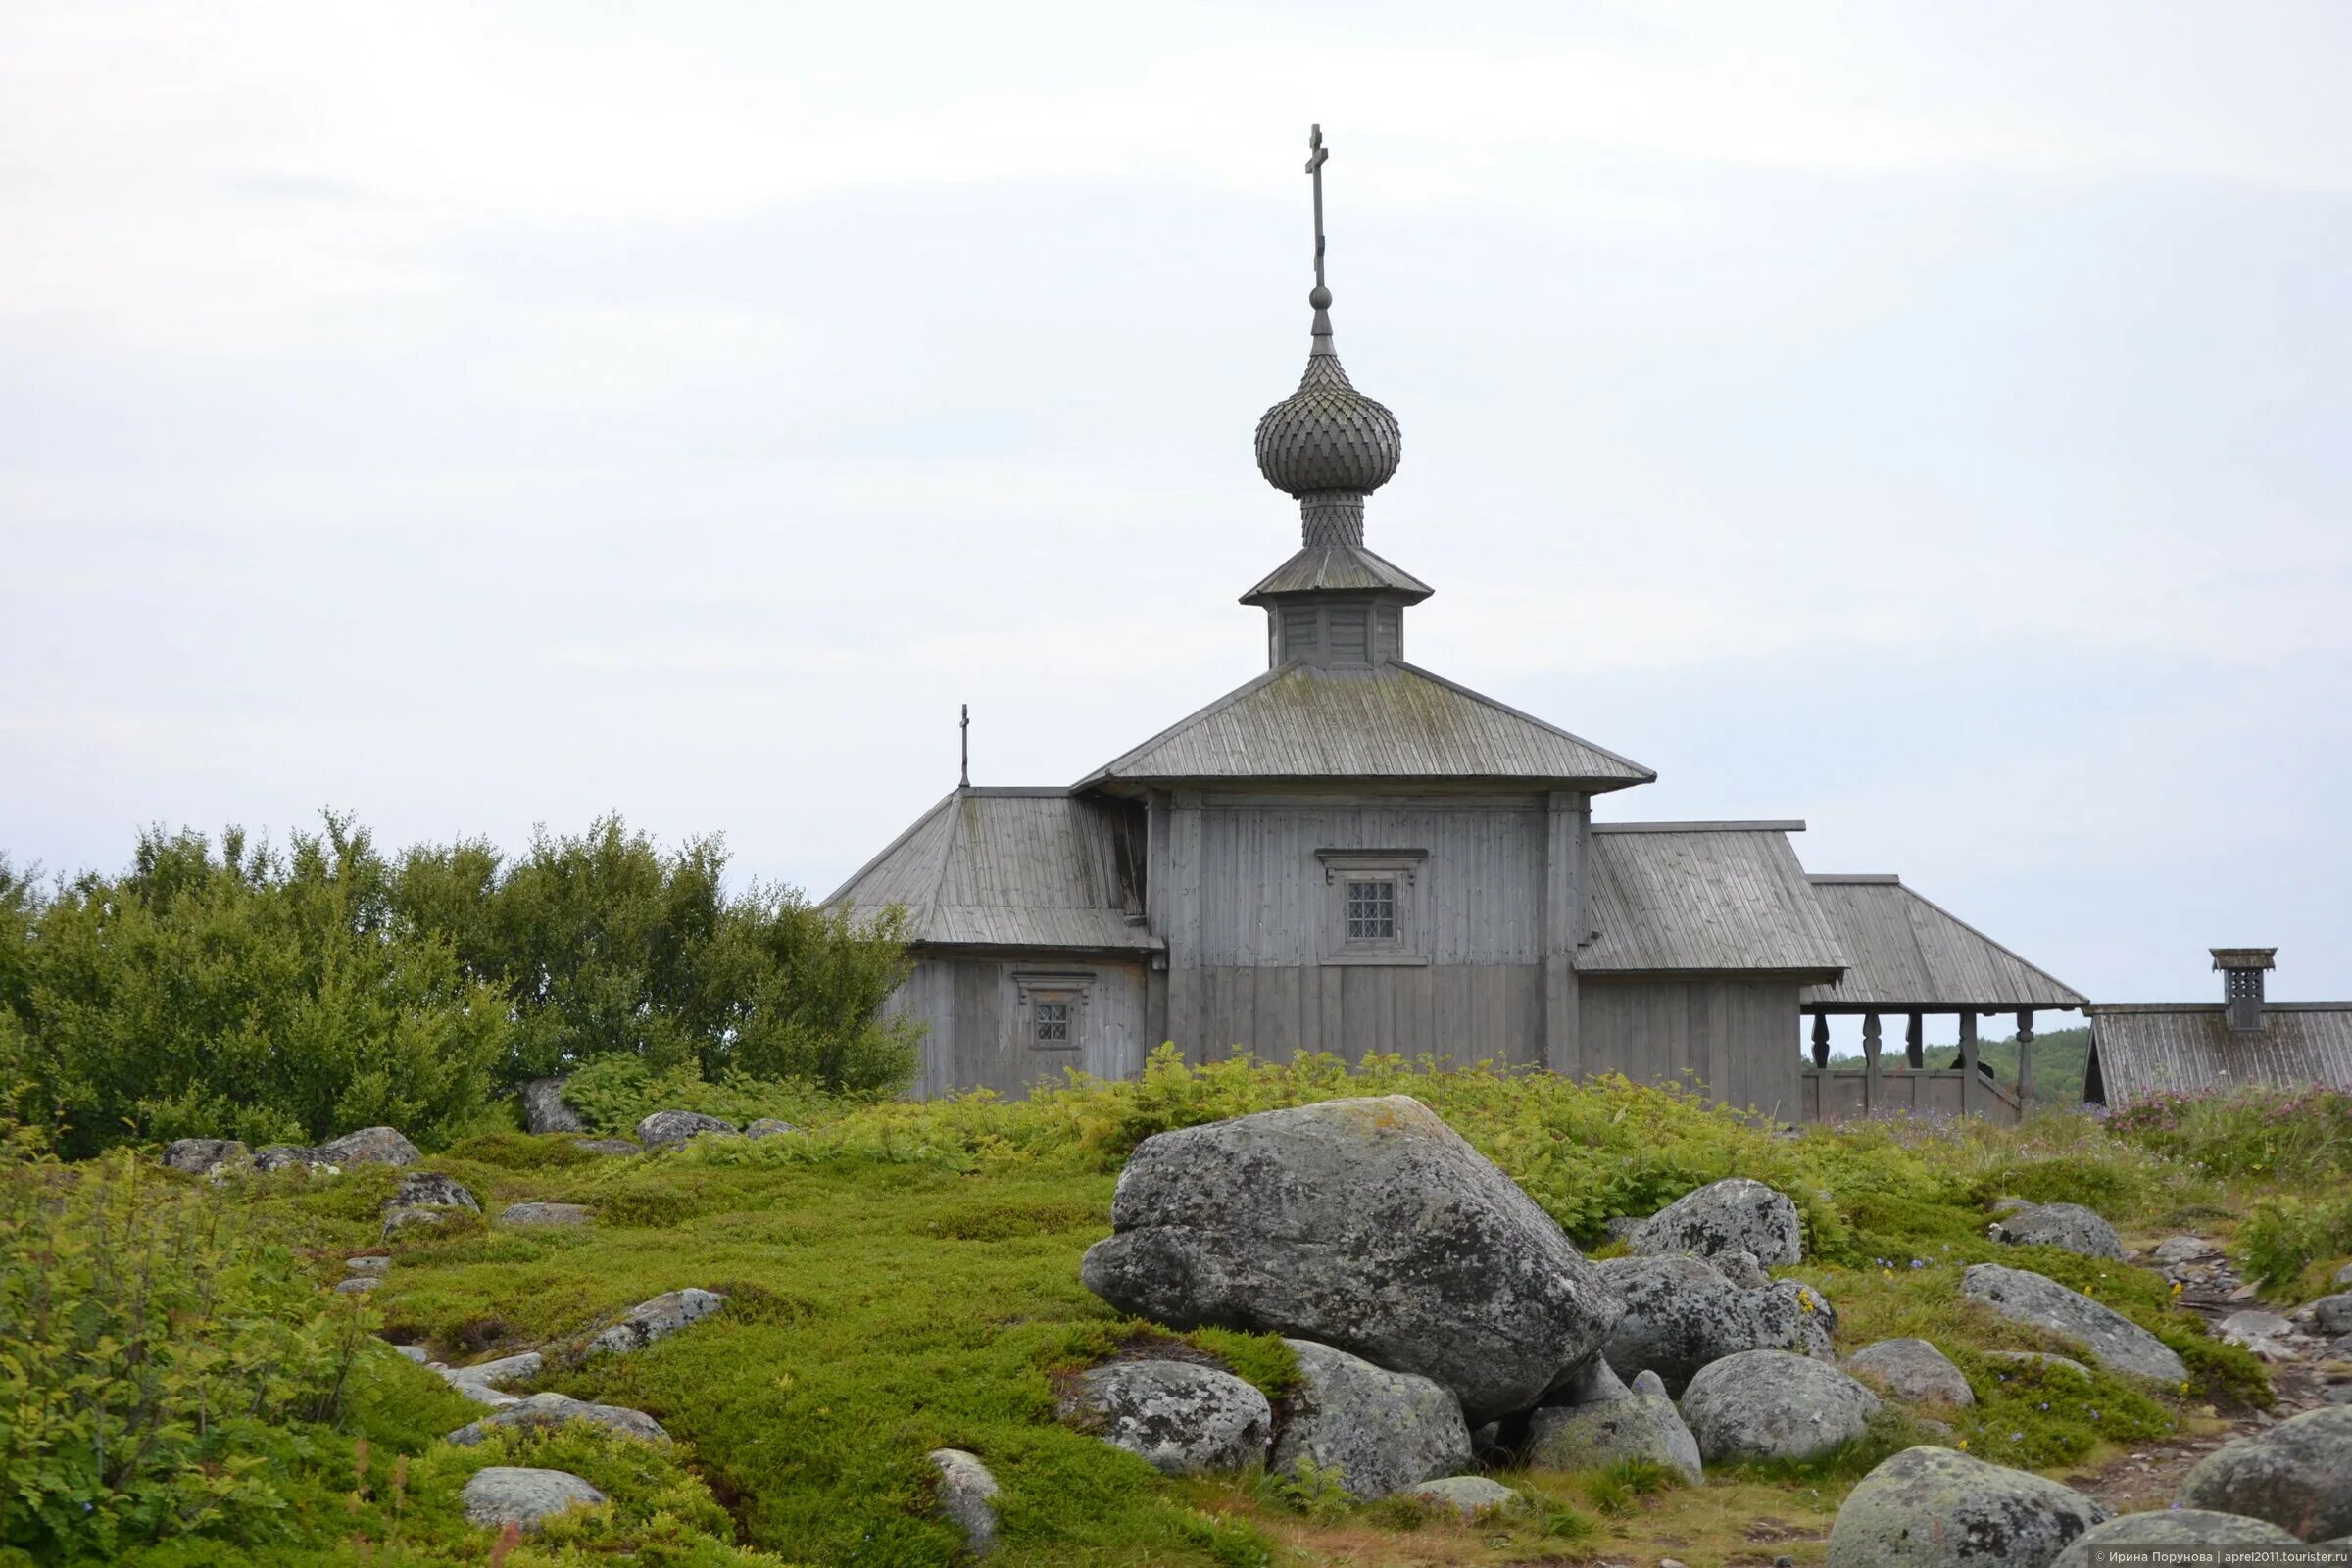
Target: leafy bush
(161, 1357)
(614, 1094)
(2300, 1135)
(2285, 1236)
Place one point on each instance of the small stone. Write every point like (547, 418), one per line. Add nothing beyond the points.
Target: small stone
(198, 1156)
(414, 1352)
(2182, 1250)
(1735, 1214)
(657, 1319)
(480, 1381)
(2069, 1226)
(370, 1146)
(430, 1188)
(544, 1110)
(2333, 1314)
(402, 1219)
(2343, 1276)
(1470, 1497)
(770, 1127)
(373, 1263)
(358, 1285)
(968, 1498)
(1913, 1371)
(543, 1214)
(2254, 1330)
(545, 1412)
(666, 1129)
(1179, 1418)
(505, 1494)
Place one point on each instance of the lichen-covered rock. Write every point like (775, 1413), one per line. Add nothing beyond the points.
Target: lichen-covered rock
(1731, 1215)
(2297, 1475)
(198, 1155)
(1642, 1425)
(608, 1145)
(1181, 1419)
(1680, 1313)
(2170, 1527)
(2333, 1313)
(1742, 1269)
(2023, 1297)
(1373, 1428)
(1930, 1507)
(482, 1382)
(283, 1157)
(544, 1110)
(1764, 1405)
(358, 1285)
(1913, 1371)
(506, 1494)
(1365, 1224)
(771, 1127)
(966, 1495)
(370, 1146)
(1470, 1497)
(397, 1220)
(2182, 1250)
(543, 1214)
(545, 1412)
(666, 1129)
(1792, 1315)
(2069, 1226)
(2253, 1329)
(371, 1263)
(430, 1188)
(656, 1319)
(1591, 1381)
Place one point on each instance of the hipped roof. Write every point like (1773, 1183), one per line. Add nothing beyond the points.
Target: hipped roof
(1696, 898)
(1904, 954)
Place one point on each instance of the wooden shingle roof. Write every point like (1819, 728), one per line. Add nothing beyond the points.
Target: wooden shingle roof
(1694, 897)
(1392, 722)
(1321, 569)
(1904, 954)
(1000, 867)
(2143, 1049)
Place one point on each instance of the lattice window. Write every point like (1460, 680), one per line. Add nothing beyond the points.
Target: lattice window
(1372, 911)
(1052, 1019)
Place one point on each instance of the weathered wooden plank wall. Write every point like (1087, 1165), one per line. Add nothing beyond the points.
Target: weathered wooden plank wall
(976, 1030)
(1466, 1012)
(1736, 1035)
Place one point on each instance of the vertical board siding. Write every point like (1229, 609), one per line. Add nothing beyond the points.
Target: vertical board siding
(1464, 1013)
(975, 1027)
(1729, 1035)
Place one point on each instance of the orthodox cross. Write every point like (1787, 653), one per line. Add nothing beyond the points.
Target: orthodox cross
(964, 726)
(1318, 156)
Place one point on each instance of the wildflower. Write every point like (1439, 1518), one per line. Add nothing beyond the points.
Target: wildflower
(2043, 1405)
(2184, 1387)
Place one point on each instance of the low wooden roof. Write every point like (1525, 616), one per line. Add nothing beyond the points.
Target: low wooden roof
(1906, 954)
(1006, 867)
(1299, 723)
(2143, 1049)
(1698, 898)
(1325, 568)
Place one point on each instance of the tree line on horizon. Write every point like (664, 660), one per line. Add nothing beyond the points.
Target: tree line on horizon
(233, 987)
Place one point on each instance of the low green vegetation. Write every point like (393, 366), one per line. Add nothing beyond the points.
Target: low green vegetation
(903, 1277)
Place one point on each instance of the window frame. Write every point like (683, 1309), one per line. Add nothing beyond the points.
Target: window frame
(1401, 870)
(1064, 989)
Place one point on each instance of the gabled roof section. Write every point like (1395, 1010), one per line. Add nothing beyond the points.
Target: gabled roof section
(1338, 569)
(1012, 868)
(1702, 897)
(2180, 1048)
(1395, 721)
(1907, 955)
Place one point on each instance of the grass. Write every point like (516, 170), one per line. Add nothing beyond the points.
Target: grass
(905, 1278)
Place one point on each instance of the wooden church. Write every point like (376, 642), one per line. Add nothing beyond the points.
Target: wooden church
(1352, 854)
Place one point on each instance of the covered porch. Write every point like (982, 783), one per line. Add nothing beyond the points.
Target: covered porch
(1908, 960)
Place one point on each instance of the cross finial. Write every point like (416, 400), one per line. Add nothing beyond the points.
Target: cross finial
(1317, 156)
(965, 724)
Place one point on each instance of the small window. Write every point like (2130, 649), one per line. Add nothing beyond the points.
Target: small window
(1372, 911)
(1053, 1023)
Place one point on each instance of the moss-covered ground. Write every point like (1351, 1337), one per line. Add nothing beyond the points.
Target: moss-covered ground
(903, 1277)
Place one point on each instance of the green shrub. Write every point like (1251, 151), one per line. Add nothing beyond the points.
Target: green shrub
(2299, 1135)
(614, 1094)
(2285, 1236)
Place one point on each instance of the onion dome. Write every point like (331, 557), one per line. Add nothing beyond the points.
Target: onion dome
(1327, 443)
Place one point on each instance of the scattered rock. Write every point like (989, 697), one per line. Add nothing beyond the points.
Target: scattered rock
(2023, 1297)
(1930, 1507)
(770, 1127)
(545, 1412)
(413, 1352)
(2170, 1527)
(1763, 1405)
(2182, 1250)
(1731, 1215)
(198, 1156)
(656, 1319)
(1591, 1381)
(358, 1285)
(2333, 1313)
(1376, 1429)
(430, 1188)
(608, 1145)
(2069, 1226)
(544, 1110)
(666, 1129)
(1471, 1496)
(370, 1146)
(1680, 1313)
(2040, 1358)
(968, 1498)
(2297, 1475)
(1365, 1224)
(544, 1214)
(2343, 1276)
(280, 1156)
(2254, 1330)
(373, 1263)
(1913, 1371)
(1742, 1270)
(481, 1381)
(1179, 1418)
(506, 1494)
(1643, 1424)
(400, 1219)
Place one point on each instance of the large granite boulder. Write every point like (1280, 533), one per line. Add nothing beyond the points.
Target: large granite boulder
(2023, 1297)
(430, 1188)
(544, 1411)
(514, 1495)
(1931, 1507)
(966, 1497)
(1374, 1430)
(1680, 1313)
(370, 1146)
(1764, 1405)
(1912, 1371)
(544, 1110)
(1731, 1215)
(2170, 1527)
(2069, 1226)
(1643, 1424)
(199, 1156)
(666, 1129)
(1365, 1224)
(656, 1319)
(2297, 1475)
(1180, 1418)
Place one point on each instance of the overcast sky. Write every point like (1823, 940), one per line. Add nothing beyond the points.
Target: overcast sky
(1930, 422)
